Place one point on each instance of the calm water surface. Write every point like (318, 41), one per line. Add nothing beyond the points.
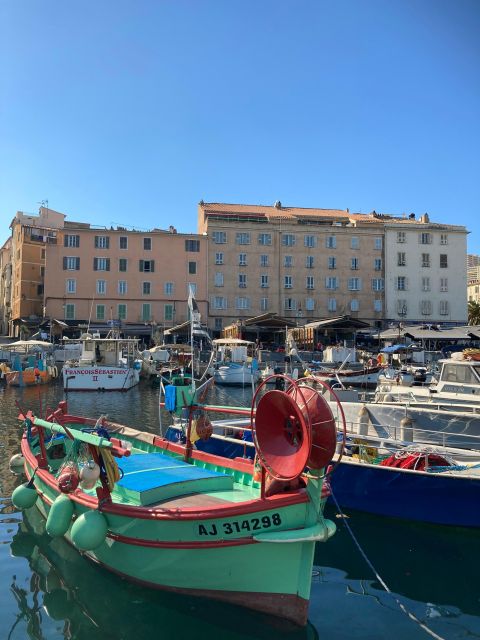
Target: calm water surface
(49, 592)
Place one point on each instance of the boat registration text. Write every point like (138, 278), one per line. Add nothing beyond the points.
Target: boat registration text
(239, 526)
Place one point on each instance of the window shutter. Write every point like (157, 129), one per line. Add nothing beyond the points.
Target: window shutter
(107, 244)
(152, 265)
(96, 242)
(141, 265)
(107, 264)
(77, 264)
(94, 264)
(77, 241)
(65, 242)
(64, 263)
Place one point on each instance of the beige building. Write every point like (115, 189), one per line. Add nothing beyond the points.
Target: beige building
(129, 278)
(473, 290)
(299, 263)
(5, 286)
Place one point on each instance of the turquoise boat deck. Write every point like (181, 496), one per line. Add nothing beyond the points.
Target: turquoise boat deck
(157, 478)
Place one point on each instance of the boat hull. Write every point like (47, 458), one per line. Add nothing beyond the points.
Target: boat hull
(99, 378)
(414, 495)
(235, 376)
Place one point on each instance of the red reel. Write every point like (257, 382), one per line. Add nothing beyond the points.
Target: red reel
(281, 433)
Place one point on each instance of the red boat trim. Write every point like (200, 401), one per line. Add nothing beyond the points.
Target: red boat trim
(193, 544)
(277, 501)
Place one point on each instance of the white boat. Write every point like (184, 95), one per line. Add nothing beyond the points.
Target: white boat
(235, 362)
(105, 364)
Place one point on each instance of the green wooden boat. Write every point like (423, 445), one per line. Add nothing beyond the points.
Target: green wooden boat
(171, 517)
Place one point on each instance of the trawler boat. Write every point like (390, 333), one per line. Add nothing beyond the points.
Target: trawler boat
(235, 362)
(105, 364)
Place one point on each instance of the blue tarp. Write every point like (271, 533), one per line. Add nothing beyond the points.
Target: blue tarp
(397, 347)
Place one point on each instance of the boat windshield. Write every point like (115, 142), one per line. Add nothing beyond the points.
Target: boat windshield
(461, 374)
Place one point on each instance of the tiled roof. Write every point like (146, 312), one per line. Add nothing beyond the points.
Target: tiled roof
(269, 211)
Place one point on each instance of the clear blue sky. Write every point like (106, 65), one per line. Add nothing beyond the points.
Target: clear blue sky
(130, 112)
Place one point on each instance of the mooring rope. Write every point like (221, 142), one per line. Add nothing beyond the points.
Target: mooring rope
(403, 608)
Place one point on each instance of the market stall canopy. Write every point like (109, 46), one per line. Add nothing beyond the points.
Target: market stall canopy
(29, 343)
(342, 322)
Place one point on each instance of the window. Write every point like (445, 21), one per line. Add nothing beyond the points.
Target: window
(401, 283)
(378, 284)
(377, 264)
(354, 284)
(39, 289)
(102, 242)
(122, 311)
(425, 238)
(69, 312)
(443, 261)
(331, 242)
(71, 264)
(402, 308)
(219, 302)
(332, 262)
(100, 312)
(265, 239)
(309, 262)
(146, 266)
(146, 314)
(443, 284)
(123, 242)
(192, 286)
(242, 280)
(218, 324)
(289, 304)
(192, 245)
(242, 303)
(264, 281)
(288, 240)
(425, 307)
(354, 243)
(355, 264)
(219, 258)
(332, 304)
(168, 311)
(101, 264)
(218, 279)
(288, 261)
(263, 304)
(425, 284)
(42, 272)
(401, 259)
(378, 244)
(443, 308)
(219, 237)
(287, 282)
(425, 259)
(242, 259)
(310, 241)
(146, 288)
(264, 260)
(377, 306)
(242, 237)
(443, 238)
(71, 240)
(101, 287)
(168, 288)
(122, 287)
(71, 285)
(192, 268)
(147, 244)
(354, 305)
(401, 237)
(122, 264)
(43, 254)
(331, 282)
(310, 304)
(309, 282)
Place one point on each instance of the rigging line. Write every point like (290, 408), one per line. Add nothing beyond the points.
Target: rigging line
(403, 608)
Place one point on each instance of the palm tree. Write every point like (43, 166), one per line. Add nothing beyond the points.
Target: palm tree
(473, 312)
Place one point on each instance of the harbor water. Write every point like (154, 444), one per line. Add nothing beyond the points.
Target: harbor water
(391, 579)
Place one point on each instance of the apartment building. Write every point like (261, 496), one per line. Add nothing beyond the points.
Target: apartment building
(300, 263)
(5, 286)
(312, 264)
(425, 271)
(30, 236)
(124, 277)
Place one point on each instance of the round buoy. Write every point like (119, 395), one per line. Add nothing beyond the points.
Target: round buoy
(89, 475)
(89, 530)
(17, 463)
(68, 479)
(59, 516)
(24, 496)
